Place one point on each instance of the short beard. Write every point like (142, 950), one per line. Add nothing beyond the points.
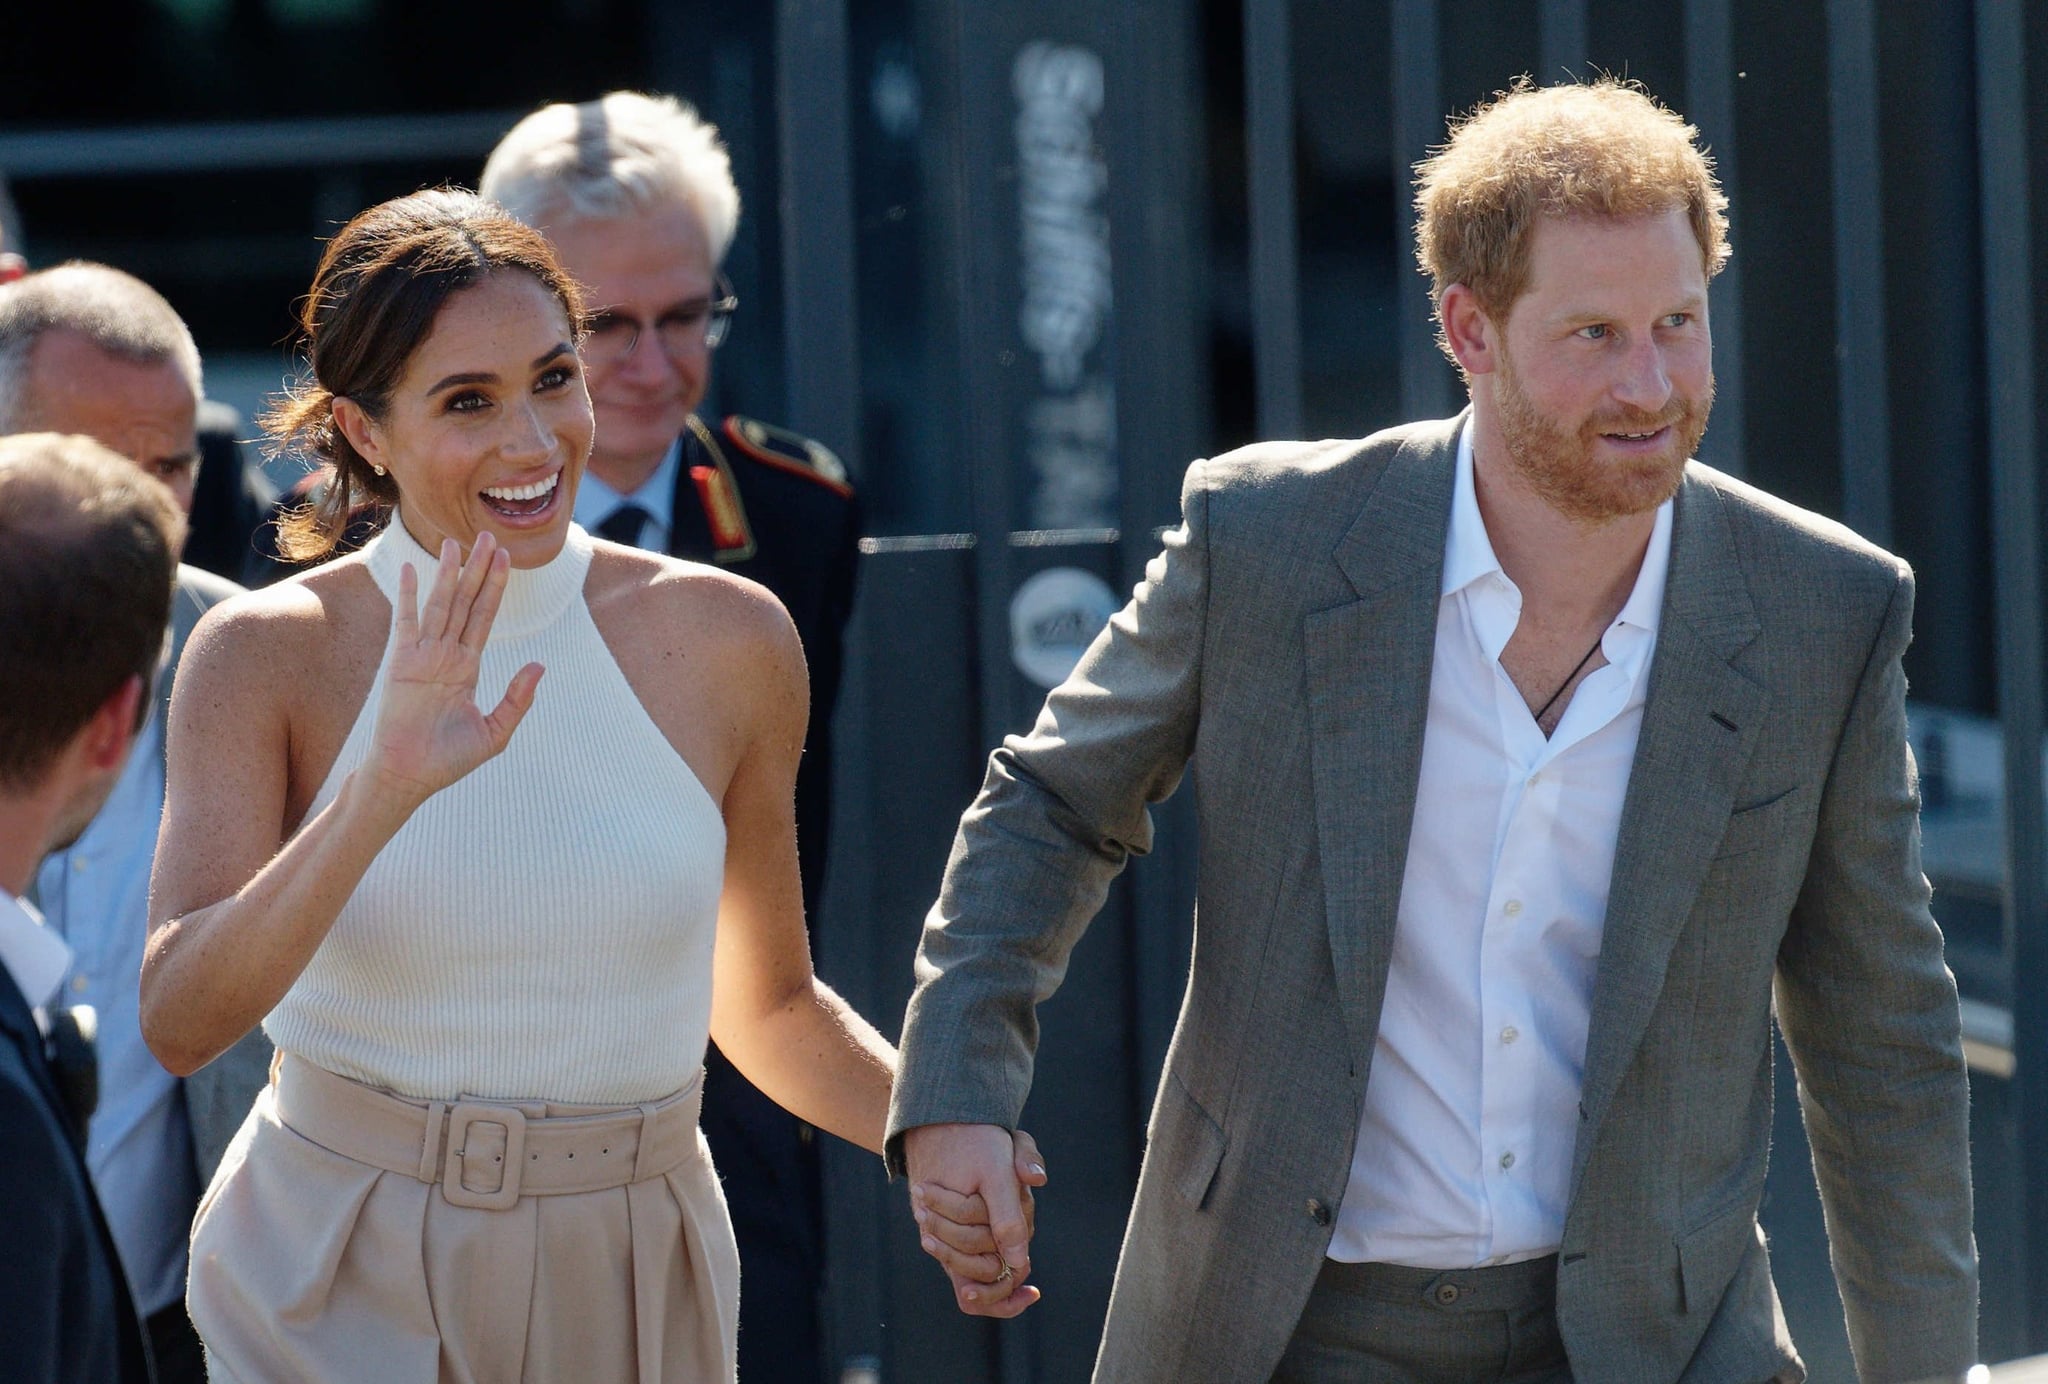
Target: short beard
(1562, 469)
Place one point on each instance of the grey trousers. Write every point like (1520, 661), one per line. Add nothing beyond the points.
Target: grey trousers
(1387, 1324)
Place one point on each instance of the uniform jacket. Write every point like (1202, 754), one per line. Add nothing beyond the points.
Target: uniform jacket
(1281, 646)
(66, 1314)
(776, 508)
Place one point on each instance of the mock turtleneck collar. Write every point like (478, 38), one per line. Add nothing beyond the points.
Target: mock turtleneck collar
(535, 597)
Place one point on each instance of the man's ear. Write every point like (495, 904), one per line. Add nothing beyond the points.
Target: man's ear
(356, 425)
(1470, 332)
(107, 736)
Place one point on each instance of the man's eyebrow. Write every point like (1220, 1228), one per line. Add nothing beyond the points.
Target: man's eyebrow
(1691, 302)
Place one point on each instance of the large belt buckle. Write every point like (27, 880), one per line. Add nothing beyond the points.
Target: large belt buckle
(469, 1145)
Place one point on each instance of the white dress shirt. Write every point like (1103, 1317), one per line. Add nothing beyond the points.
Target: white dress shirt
(34, 956)
(1465, 1146)
(595, 501)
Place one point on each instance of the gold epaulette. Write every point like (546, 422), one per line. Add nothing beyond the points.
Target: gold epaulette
(792, 452)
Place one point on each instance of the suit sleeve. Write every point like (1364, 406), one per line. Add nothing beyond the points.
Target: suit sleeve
(1869, 1011)
(1059, 813)
(48, 1239)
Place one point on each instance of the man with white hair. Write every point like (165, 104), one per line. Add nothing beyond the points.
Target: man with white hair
(636, 193)
(86, 349)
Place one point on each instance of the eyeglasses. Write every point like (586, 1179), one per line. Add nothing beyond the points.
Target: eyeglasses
(701, 325)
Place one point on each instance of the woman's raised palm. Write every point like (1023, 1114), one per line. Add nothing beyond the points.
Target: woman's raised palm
(429, 732)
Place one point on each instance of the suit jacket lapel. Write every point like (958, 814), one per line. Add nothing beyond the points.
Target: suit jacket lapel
(1700, 725)
(1368, 665)
(18, 1026)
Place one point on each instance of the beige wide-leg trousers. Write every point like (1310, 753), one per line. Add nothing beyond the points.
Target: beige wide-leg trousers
(352, 1234)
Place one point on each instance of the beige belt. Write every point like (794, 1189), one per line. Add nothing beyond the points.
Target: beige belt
(486, 1154)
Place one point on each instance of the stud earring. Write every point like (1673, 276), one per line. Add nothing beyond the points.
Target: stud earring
(378, 469)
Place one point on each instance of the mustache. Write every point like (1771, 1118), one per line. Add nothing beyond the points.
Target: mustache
(1641, 420)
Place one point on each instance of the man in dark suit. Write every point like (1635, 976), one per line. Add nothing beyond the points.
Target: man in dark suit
(636, 193)
(88, 554)
(87, 349)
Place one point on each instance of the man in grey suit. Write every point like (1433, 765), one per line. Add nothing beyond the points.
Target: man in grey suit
(86, 349)
(1535, 761)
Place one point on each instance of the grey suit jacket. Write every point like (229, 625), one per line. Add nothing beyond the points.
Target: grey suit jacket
(1281, 644)
(219, 1094)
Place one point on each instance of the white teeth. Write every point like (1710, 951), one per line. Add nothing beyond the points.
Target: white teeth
(524, 492)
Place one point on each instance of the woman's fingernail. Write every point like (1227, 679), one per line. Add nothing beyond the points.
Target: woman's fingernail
(1038, 1169)
(931, 1246)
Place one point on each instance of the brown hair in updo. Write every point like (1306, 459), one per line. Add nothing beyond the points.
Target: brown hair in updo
(379, 288)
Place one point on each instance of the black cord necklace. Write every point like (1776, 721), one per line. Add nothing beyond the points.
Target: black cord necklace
(1576, 667)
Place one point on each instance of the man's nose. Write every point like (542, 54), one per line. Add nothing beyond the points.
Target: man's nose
(648, 361)
(1644, 381)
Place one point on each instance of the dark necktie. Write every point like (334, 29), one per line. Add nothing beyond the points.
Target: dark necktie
(623, 525)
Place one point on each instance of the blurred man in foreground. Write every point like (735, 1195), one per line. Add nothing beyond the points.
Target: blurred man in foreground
(88, 349)
(88, 553)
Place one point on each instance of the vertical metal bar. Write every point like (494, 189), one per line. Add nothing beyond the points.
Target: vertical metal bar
(1710, 102)
(1276, 284)
(1561, 40)
(1859, 270)
(812, 119)
(822, 379)
(2003, 206)
(1418, 124)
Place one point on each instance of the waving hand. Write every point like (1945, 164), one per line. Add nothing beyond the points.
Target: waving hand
(429, 732)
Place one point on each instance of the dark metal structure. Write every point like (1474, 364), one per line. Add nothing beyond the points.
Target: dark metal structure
(1020, 263)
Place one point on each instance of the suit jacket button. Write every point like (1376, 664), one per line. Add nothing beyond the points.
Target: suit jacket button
(1318, 1212)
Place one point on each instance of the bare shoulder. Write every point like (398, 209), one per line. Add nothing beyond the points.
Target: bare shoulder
(712, 657)
(298, 623)
(675, 604)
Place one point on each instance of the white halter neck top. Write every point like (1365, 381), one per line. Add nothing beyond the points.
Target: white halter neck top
(541, 929)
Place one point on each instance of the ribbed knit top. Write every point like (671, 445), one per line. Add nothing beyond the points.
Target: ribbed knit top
(542, 928)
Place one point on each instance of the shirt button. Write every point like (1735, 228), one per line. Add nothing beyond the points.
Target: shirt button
(1318, 1212)
(78, 863)
(1507, 1160)
(1512, 908)
(80, 984)
(1510, 1033)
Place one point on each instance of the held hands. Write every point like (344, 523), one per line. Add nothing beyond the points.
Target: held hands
(970, 1189)
(429, 732)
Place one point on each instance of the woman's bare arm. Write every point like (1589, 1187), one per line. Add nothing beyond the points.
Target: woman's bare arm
(785, 1029)
(234, 919)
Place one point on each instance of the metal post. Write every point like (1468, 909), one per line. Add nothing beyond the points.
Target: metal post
(1865, 399)
(1710, 99)
(2003, 207)
(1561, 39)
(819, 331)
(1418, 124)
(1276, 284)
